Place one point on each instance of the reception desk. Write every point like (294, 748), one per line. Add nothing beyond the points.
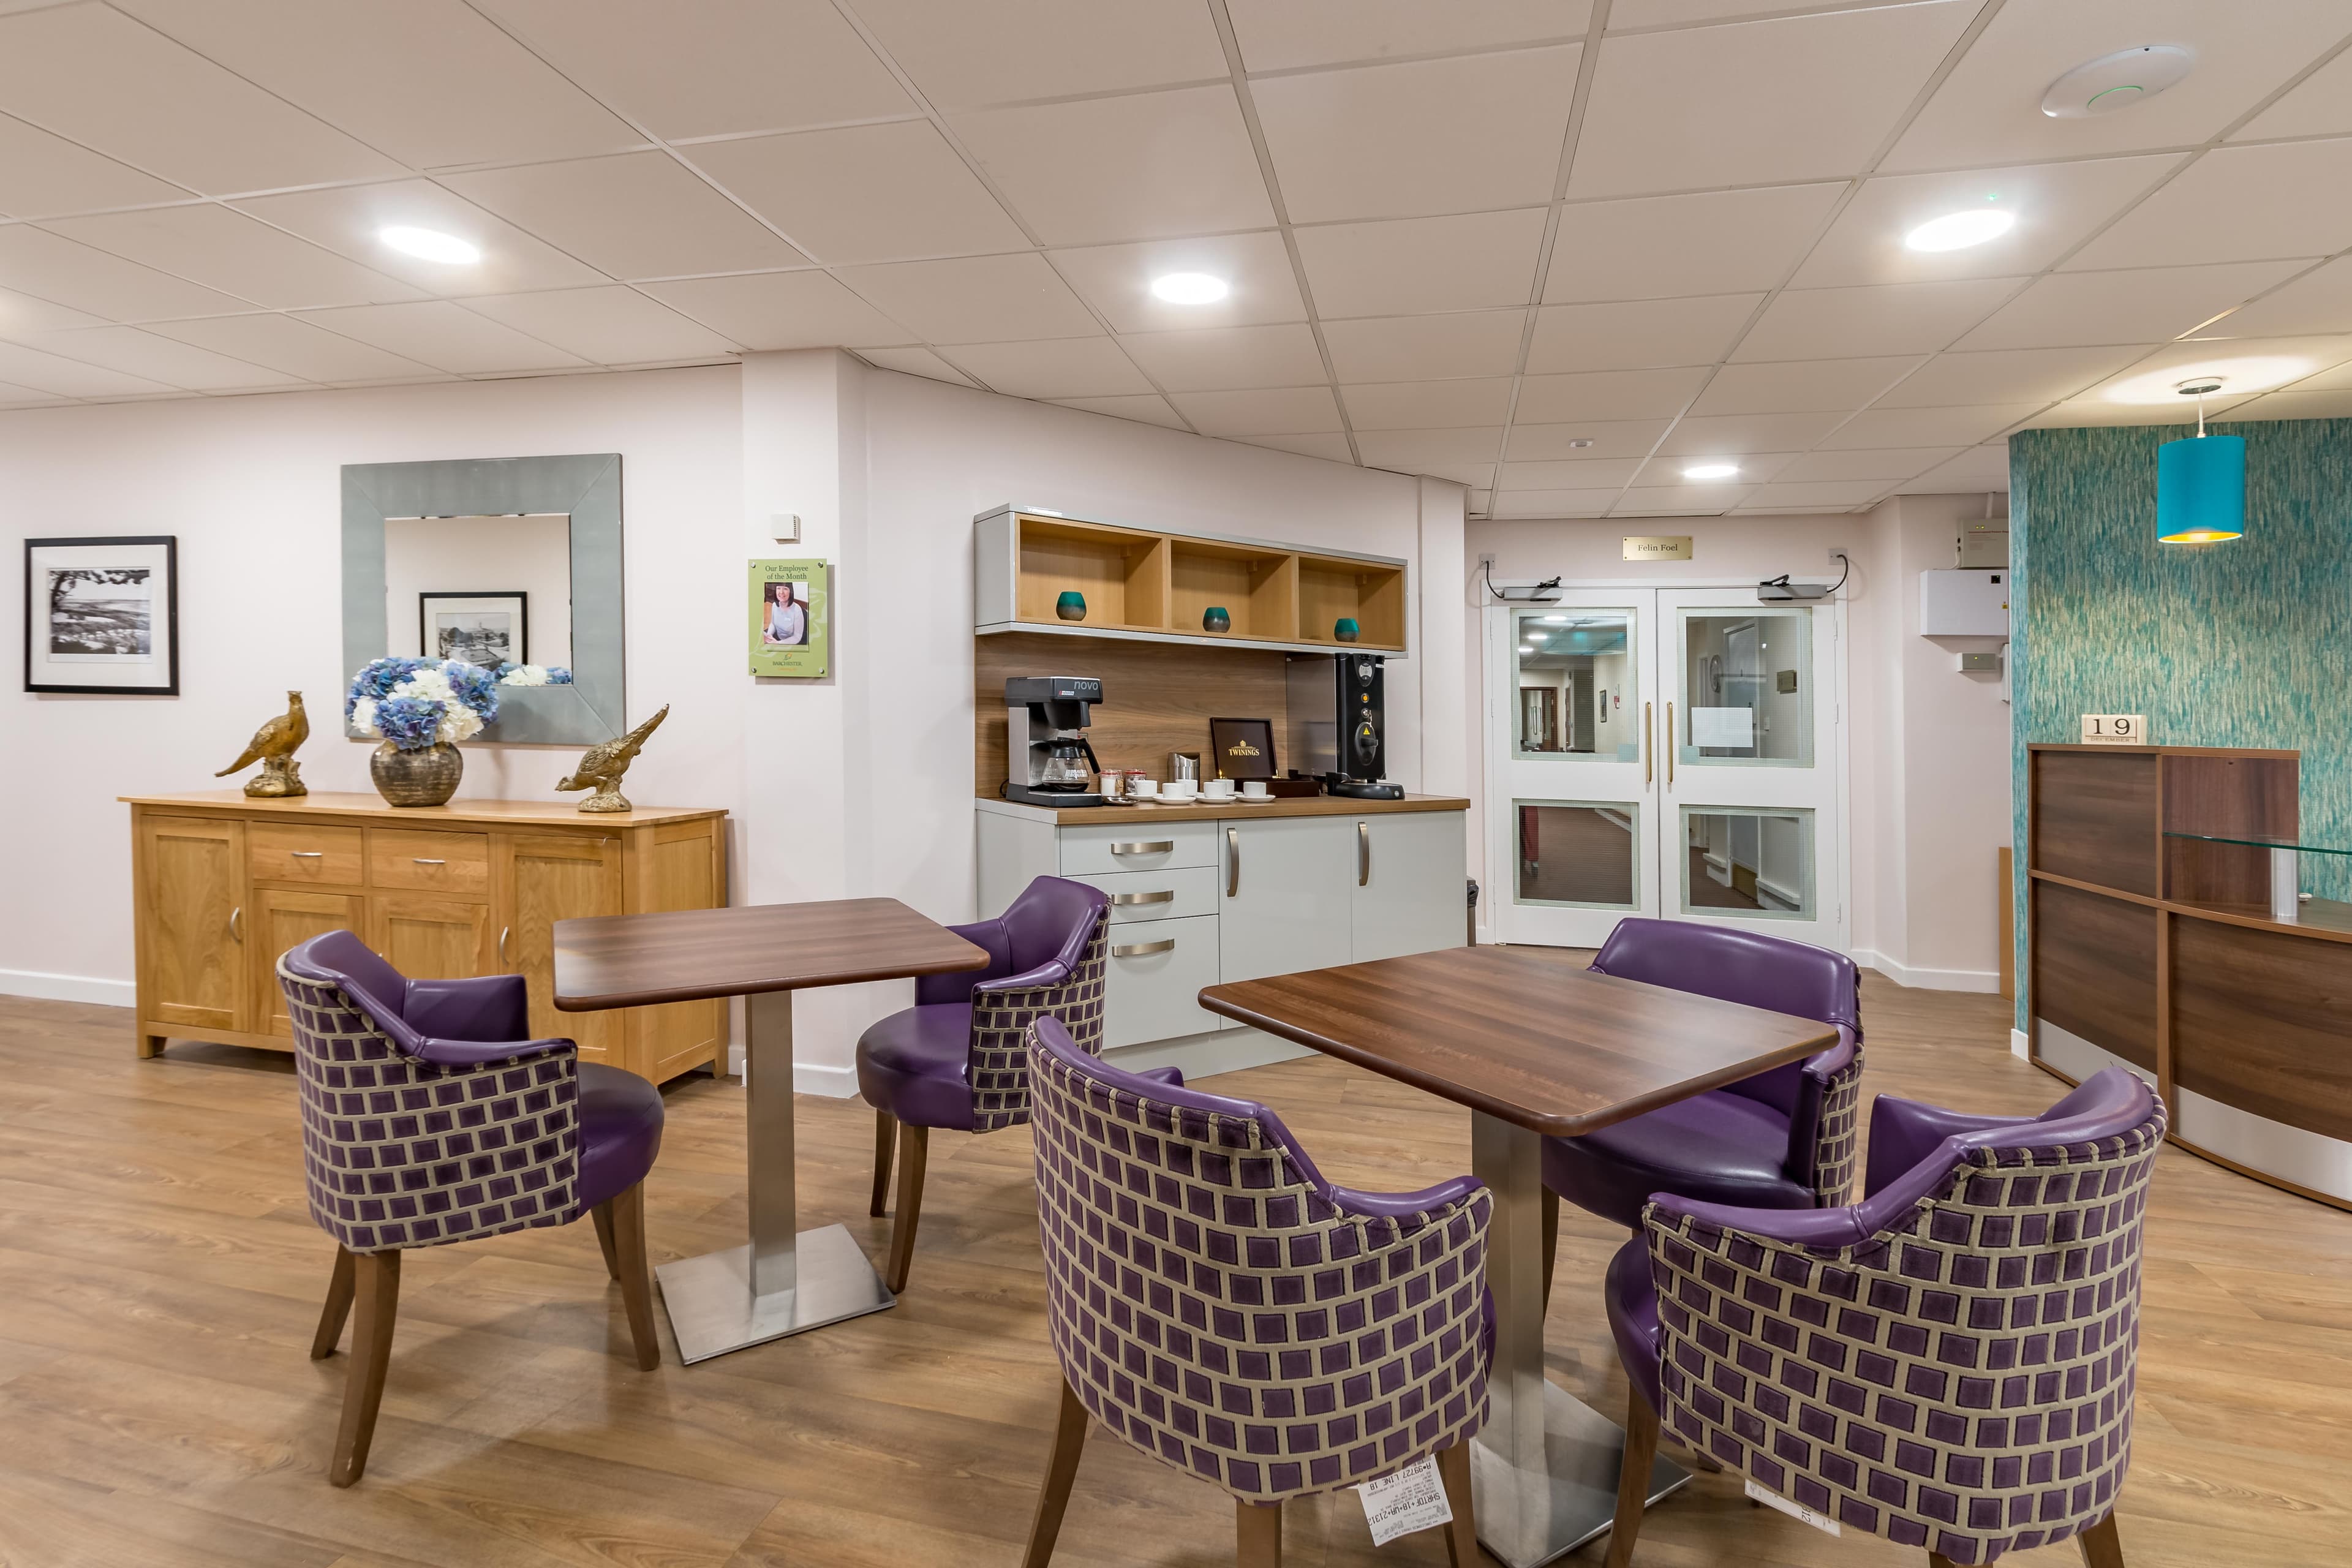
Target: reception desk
(2166, 933)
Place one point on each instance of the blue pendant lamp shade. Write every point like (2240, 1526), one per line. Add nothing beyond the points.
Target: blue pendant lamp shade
(2201, 490)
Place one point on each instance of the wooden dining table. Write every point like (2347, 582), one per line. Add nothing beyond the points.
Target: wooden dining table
(784, 1281)
(1536, 1046)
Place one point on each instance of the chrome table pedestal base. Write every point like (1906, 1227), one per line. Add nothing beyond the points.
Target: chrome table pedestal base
(712, 1309)
(1528, 1517)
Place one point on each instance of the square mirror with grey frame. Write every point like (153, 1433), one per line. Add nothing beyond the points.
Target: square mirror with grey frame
(498, 562)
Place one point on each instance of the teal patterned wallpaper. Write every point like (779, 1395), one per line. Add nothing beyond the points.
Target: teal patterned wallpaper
(2247, 642)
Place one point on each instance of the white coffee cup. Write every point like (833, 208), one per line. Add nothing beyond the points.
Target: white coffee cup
(1142, 789)
(1218, 789)
(1180, 789)
(1253, 789)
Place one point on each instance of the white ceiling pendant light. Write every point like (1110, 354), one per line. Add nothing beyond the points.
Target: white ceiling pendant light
(2116, 81)
(1710, 470)
(1190, 289)
(1959, 230)
(430, 244)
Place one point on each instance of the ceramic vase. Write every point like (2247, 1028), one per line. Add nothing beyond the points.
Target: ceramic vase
(1215, 619)
(1071, 605)
(1346, 630)
(428, 776)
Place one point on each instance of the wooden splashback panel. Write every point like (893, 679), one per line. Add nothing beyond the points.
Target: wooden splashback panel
(1158, 697)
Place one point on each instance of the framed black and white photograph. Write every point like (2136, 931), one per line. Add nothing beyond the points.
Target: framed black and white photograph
(102, 614)
(487, 630)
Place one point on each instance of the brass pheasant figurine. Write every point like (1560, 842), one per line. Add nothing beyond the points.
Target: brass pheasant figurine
(601, 767)
(274, 745)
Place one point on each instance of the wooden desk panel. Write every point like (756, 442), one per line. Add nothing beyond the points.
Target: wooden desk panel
(625, 960)
(2094, 817)
(2262, 1020)
(2094, 969)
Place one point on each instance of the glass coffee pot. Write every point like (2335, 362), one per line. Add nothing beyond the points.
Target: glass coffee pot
(1066, 762)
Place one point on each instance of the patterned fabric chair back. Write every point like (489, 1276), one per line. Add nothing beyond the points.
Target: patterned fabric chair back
(1000, 1016)
(401, 1153)
(1955, 1370)
(1220, 1306)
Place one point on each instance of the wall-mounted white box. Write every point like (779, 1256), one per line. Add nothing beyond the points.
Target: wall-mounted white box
(1964, 603)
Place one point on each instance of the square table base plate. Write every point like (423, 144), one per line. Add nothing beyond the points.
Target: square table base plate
(1527, 1519)
(712, 1309)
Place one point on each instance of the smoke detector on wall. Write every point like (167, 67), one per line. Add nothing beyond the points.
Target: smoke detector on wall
(2116, 81)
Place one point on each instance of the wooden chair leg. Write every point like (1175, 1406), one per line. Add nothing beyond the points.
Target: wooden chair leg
(1257, 1534)
(1937, 1560)
(1061, 1469)
(601, 1214)
(628, 1253)
(1551, 1241)
(338, 1308)
(885, 1131)
(376, 1294)
(1462, 1535)
(2102, 1548)
(914, 1149)
(1633, 1477)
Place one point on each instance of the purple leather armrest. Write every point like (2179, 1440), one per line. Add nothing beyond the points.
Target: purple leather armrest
(490, 1007)
(1905, 1132)
(444, 1050)
(1404, 1206)
(930, 990)
(475, 1053)
(1825, 1230)
(1053, 974)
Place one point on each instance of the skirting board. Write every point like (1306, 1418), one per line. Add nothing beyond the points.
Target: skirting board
(2021, 1045)
(68, 988)
(1986, 981)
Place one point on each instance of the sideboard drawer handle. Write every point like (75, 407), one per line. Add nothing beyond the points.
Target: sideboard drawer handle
(1166, 896)
(1142, 949)
(307, 854)
(423, 861)
(1155, 846)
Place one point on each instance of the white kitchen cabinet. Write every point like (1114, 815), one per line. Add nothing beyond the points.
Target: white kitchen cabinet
(1404, 865)
(1287, 886)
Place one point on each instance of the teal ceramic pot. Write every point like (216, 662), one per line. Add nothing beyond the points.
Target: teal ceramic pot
(1071, 605)
(1346, 629)
(1215, 619)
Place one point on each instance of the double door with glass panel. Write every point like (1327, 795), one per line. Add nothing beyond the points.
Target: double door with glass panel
(1665, 753)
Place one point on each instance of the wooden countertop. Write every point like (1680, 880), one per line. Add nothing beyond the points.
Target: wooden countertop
(322, 804)
(1219, 811)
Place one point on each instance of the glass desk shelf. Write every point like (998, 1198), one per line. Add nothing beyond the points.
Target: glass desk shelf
(2260, 842)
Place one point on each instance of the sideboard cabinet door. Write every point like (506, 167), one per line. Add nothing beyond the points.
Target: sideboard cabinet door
(193, 929)
(427, 938)
(281, 918)
(1412, 883)
(1285, 906)
(543, 878)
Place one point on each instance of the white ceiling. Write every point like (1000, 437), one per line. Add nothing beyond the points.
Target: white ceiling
(1556, 249)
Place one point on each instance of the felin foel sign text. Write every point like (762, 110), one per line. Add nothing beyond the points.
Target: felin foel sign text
(1657, 547)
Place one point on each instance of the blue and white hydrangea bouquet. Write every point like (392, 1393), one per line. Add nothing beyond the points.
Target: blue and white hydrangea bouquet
(533, 675)
(418, 702)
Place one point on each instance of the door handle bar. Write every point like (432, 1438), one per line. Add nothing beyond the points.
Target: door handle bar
(236, 923)
(1649, 744)
(1153, 846)
(1363, 854)
(1232, 861)
(1167, 896)
(504, 932)
(1143, 949)
(1671, 746)
(307, 854)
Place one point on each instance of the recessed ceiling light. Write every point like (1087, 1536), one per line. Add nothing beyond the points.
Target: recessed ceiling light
(1539, 636)
(430, 244)
(2232, 377)
(1957, 231)
(2116, 81)
(1710, 470)
(1190, 289)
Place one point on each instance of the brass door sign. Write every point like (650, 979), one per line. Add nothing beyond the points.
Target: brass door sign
(1657, 547)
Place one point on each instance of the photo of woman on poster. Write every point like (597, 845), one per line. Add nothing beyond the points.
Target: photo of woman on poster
(786, 624)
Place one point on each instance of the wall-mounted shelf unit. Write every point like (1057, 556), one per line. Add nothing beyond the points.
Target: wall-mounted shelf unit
(1154, 586)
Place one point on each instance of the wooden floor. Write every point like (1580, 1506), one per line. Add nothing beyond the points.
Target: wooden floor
(159, 1281)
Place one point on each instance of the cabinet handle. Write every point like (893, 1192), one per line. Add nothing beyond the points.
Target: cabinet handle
(307, 854)
(1671, 746)
(236, 923)
(1232, 861)
(423, 861)
(1142, 949)
(1363, 855)
(1165, 896)
(1649, 744)
(1156, 846)
(503, 933)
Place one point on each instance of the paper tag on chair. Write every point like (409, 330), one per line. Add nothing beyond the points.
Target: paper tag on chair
(1769, 1499)
(1410, 1499)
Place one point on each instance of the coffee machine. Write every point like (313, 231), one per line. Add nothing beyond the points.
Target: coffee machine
(1047, 759)
(1338, 713)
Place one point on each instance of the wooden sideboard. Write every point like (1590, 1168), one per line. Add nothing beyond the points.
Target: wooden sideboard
(222, 885)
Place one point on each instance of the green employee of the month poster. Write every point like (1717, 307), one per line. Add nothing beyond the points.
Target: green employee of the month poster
(791, 631)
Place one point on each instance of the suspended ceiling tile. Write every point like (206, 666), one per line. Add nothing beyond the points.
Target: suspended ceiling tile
(964, 55)
(2320, 105)
(1414, 451)
(611, 325)
(236, 255)
(1631, 14)
(294, 345)
(2009, 375)
(92, 74)
(1609, 394)
(2053, 207)
(1978, 468)
(1754, 467)
(915, 361)
(2096, 410)
(23, 313)
(1272, 411)
(642, 214)
(1926, 426)
(1798, 386)
(161, 359)
(1285, 35)
(2337, 404)
(1681, 500)
(445, 336)
(2340, 376)
(2148, 304)
(1221, 358)
(42, 176)
(1145, 408)
(1720, 242)
(1881, 319)
(1116, 279)
(715, 67)
(62, 377)
(1640, 334)
(1709, 107)
(1602, 438)
(53, 268)
(2244, 365)
(430, 83)
(350, 219)
(1821, 493)
(1055, 367)
(1410, 266)
(1554, 502)
(863, 193)
(1427, 404)
(1740, 435)
(1427, 347)
(1331, 449)
(804, 309)
(1881, 464)
(974, 299)
(1474, 133)
(2319, 302)
(13, 396)
(1149, 167)
(1581, 474)
(1988, 111)
(2235, 204)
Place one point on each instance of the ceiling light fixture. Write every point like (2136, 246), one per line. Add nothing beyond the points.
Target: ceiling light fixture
(1710, 470)
(430, 244)
(1190, 289)
(2254, 374)
(1959, 230)
(2116, 81)
(2201, 483)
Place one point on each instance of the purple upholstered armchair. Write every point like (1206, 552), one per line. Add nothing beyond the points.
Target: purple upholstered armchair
(429, 1116)
(1948, 1363)
(1219, 1305)
(955, 1058)
(1783, 1139)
